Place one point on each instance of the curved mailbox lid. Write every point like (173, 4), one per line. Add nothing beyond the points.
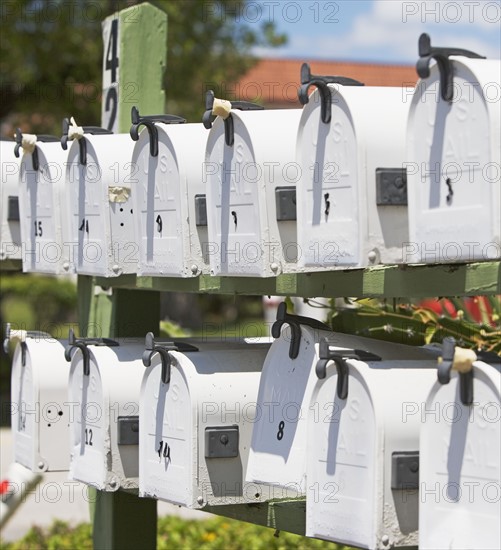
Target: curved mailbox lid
(165, 187)
(460, 464)
(350, 496)
(215, 386)
(110, 391)
(458, 219)
(40, 416)
(10, 233)
(99, 205)
(241, 182)
(42, 217)
(337, 202)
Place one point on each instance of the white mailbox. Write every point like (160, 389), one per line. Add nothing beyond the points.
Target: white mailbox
(43, 218)
(460, 450)
(251, 177)
(39, 394)
(10, 233)
(169, 196)
(197, 409)
(278, 449)
(454, 158)
(363, 441)
(104, 385)
(99, 176)
(352, 196)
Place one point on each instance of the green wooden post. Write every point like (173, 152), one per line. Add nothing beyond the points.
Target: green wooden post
(121, 519)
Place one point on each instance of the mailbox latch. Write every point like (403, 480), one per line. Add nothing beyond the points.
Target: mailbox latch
(391, 186)
(221, 442)
(128, 430)
(13, 209)
(286, 203)
(405, 470)
(200, 210)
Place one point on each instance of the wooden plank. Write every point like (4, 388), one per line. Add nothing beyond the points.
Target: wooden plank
(482, 278)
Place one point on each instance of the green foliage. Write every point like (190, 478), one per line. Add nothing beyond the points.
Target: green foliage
(424, 322)
(213, 534)
(51, 56)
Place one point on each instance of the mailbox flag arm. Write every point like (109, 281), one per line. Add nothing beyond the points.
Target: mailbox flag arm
(461, 360)
(321, 82)
(149, 122)
(28, 143)
(441, 56)
(295, 322)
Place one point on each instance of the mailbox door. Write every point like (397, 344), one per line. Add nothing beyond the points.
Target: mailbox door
(344, 468)
(327, 204)
(39, 209)
(10, 232)
(278, 450)
(164, 185)
(168, 447)
(452, 154)
(25, 410)
(235, 220)
(90, 438)
(460, 465)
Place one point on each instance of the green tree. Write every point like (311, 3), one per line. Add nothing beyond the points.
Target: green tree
(51, 56)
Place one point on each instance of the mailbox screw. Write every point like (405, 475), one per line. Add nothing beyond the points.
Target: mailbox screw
(385, 539)
(200, 500)
(194, 269)
(372, 256)
(274, 267)
(115, 268)
(224, 439)
(414, 467)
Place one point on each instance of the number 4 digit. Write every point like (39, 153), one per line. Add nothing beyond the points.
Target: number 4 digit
(111, 52)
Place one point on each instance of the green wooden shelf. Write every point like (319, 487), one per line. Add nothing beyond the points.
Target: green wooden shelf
(395, 281)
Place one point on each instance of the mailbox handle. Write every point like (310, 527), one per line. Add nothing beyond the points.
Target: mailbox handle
(34, 155)
(208, 117)
(149, 122)
(295, 322)
(321, 82)
(82, 142)
(328, 353)
(445, 364)
(81, 344)
(163, 349)
(427, 52)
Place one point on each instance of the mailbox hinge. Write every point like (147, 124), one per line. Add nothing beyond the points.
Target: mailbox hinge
(13, 209)
(391, 186)
(229, 133)
(321, 82)
(445, 68)
(295, 322)
(286, 203)
(81, 344)
(200, 210)
(328, 352)
(163, 349)
(149, 122)
(405, 470)
(445, 367)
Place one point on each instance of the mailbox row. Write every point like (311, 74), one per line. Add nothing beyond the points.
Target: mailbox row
(388, 448)
(360, 176)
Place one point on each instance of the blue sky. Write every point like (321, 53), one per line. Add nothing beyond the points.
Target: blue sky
(378, 30)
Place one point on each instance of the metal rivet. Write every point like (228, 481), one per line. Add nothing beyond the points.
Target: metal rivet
(274, 266)
(414, 467)
(66, 266)
(41, 465)
(385, 539)
(194, 269)
(372, 256)
(200, 500)
(113, 484)
(115, 268)
(224, 439)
